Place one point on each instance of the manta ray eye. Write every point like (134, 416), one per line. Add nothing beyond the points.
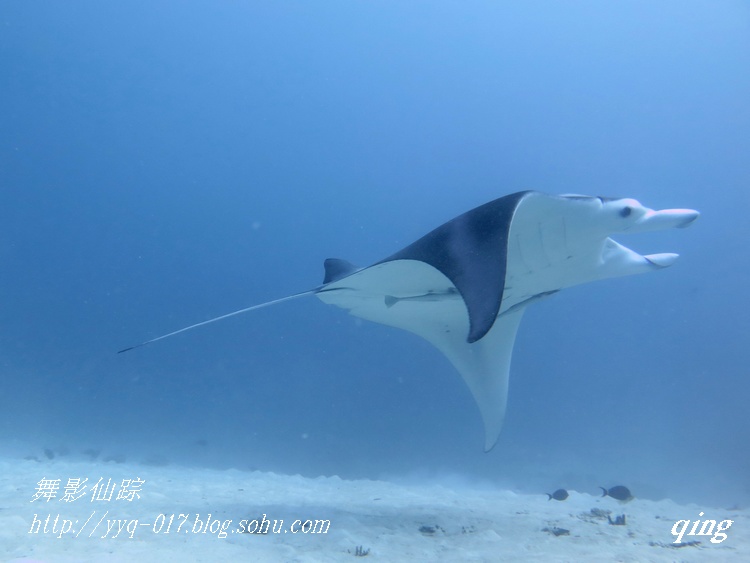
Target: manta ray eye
(625, 211)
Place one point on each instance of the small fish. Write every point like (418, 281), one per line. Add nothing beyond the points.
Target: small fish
(619, 493)
(559, 494)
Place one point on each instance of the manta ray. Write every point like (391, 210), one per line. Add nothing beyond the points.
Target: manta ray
(464, 286)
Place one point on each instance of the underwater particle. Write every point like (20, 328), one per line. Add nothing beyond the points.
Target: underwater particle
(559, 494)
(360, 551)
(619, 492)
(675, 546)
(595, 514)
(430, 530)
(156, 460)
(555, 531)
(93, 453)
(618, 521)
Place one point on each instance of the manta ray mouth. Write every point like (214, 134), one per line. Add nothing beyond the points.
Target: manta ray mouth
(662, 260)
(664, 219)
(622, 256)
(652, 221)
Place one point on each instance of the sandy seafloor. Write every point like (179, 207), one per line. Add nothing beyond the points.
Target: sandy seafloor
(394, 522)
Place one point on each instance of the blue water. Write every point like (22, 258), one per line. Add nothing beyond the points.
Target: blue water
(162, 163)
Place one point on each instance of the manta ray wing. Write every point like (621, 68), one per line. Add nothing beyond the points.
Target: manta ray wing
(414, 296)
(471, 251)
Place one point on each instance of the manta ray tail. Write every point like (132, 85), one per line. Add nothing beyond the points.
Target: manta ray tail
(209, 321)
